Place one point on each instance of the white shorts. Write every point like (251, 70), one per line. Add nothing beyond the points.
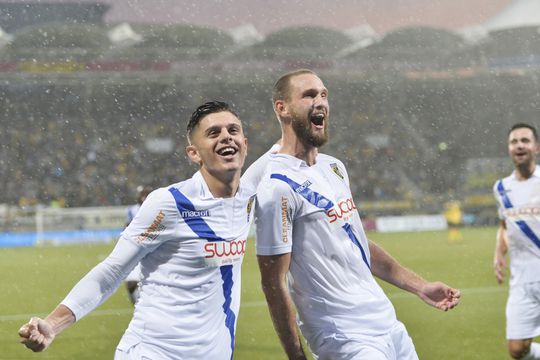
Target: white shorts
(396, 345)
(523, 311)
(130, 348)
(135, 274)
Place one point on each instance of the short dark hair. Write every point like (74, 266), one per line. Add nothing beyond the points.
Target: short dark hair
(526, 126)
(281, 89)
(205, 109)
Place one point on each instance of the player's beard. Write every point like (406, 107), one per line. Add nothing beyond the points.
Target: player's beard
(524, 167)
(303, 131)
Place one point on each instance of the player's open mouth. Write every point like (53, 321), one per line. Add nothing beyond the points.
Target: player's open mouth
(227, 151)
(317, 120)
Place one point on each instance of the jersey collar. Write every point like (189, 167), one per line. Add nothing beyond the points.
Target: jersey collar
(204, 193)
(289, 160)
(536, 172)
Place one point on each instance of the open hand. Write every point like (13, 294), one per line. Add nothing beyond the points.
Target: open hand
(440, 295)
(499, 266)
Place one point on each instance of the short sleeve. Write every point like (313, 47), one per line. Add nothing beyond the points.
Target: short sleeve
(155, 222)
(274, 216)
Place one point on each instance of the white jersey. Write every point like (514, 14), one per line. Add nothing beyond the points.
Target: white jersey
(135, 274)
(190, 246)
(309, 211)
(254, 173)
(519, 207)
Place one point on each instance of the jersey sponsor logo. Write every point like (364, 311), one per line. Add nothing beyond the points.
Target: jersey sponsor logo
(284, 220)
(194, 213)
(153, 231)
(303, 187)
(342, 212)
(521, 213)
(336, 170)
(218, 253)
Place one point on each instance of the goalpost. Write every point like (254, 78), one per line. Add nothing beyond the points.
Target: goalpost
(79, 225)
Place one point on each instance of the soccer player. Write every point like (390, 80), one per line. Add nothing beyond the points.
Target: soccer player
(309, 233)
(518, 198)
(133, 278)
(190, 239)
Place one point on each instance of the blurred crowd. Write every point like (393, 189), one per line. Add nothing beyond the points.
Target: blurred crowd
(91, 143)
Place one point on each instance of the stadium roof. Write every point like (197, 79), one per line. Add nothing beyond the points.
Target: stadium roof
(520, 13)
(299, 42)
(412, 44)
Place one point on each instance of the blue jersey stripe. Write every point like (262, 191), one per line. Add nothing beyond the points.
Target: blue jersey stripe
(313, 197)
(203, 231)
(526, 229)
(523, 226)
(196, 223)
(322, 203)
(502, 193)
(230, 317)
(348, 229)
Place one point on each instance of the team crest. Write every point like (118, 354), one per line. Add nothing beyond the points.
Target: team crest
(250, 206)
(336, 170)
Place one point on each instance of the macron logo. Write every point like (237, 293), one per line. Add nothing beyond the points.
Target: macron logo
(194, 213)
(303, 187)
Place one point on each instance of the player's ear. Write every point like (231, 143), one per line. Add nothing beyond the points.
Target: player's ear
(193, 154)
(281, 109)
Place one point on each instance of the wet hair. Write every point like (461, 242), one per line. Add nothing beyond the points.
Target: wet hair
(281, 89)
(205, 109)
(524, 126)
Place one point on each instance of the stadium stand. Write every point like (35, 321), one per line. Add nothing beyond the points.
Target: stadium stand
(407, 116)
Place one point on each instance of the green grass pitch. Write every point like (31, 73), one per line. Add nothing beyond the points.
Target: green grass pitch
(34, 280)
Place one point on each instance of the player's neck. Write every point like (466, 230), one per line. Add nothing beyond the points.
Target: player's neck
(525, 171)
(222, 185)
(291, 145)
(298, 150)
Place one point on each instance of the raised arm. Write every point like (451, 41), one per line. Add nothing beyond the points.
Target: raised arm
(501, 248)
(436, 294)
(273, 277)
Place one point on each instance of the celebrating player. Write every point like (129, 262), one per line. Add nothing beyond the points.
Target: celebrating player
(190, 241)
(309, 231)
(518, 198)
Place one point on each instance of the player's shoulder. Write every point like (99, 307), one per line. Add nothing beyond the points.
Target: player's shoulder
(276, 178)
(255, 172)
(188, 188)
(333, 164)
(161, 194)
(325, 158)
(502, 182)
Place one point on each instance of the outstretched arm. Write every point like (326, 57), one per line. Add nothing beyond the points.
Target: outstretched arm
(91, 291)
(501, 248)
(436, 294)
(273, 277)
